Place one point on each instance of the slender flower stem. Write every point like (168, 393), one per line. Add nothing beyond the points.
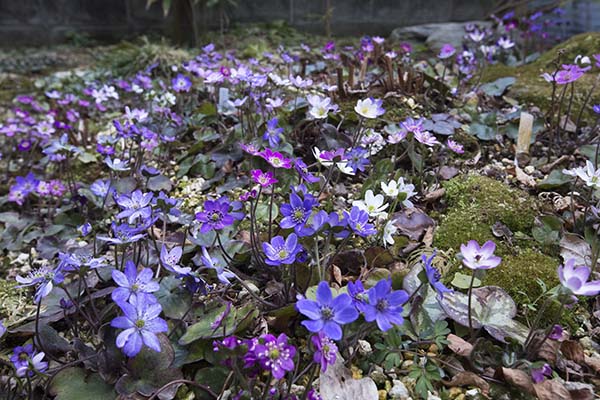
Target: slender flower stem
(470, 295)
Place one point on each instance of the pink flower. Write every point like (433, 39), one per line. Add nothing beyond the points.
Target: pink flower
(426, 138)
(276, 159)
(476, 257)
(264, 179)
(455, 147)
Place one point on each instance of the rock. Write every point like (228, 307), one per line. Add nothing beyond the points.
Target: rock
(435, 35)
(378, 375)
(399, 391)
(364, 347)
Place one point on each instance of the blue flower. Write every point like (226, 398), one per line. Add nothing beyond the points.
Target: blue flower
(385, 305)
(27, 361)
(141, 323)
(358, 222)
(134, 206)
(131, 283)
(359, 296)
(281, 251)
(222, 274)
(44, 278)
(327, 314)
(296, 213)
(357, 159)
(433, 276)
(170, 260)
(273, 132)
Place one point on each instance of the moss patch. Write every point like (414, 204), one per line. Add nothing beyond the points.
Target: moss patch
(531, 88)
(475, 203)
(518, 274)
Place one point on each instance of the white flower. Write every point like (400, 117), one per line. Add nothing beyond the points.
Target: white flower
(369, 108)
(322, 161)
(388, 231)
(505, 43)
(390, 189)
(409, 190)
(588, 174)
(372, 204)
(319, 106)
(344, 168)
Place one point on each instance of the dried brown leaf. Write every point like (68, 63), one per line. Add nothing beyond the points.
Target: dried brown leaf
(525, 179)
(551, 389)
(467, 378)
(459, 346)
(593, 362)
(573, 350)
(519, 378)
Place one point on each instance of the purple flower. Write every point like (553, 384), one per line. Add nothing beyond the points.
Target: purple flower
(426, 138)
(101, 188)
(385, 305)
(217, 215)
(264, 179)
(576, 279)
(141, 323)
(596, 108)
(434, 276)
(134, 206)
(296, 213)
(359, 296)
(223, 275)
(27, 361)
(569, 73)
(2, 328)
(327, 313)
(455, 147)
(357, 159)
(275, 354)
(412, 125)
(556, 332)
(272, 135)
(84, 229)
(181, 83)
(131, 284)
(302, 169)
(122, 234)
(476, 257)
(538, 375)
(44, 278)
(277, 160)
(170, 260)
(358, 222)
(281, 251)
(446, 51)
(325, 350)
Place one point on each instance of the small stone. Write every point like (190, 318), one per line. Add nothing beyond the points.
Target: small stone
(431, 396)
(530, 169)
(378, 375)
(472, 393)
(454, 392)
(364, 347)
(407, 364)
(399, 391)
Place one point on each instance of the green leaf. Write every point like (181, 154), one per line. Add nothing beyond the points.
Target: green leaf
(204, 330)
(213, 377)
(174, 299)
(77, 384)
(483, 132)
(87, 158)
(159, 182)
(462, 281)
(554, 180)
(497, 87)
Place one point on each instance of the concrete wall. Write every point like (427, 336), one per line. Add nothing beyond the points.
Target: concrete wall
(34, 22)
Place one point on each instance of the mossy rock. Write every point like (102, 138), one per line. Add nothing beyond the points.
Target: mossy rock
(475, 203)
(530, 87)
(518, 274)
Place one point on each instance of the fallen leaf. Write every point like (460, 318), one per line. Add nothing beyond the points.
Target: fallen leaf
(572, 350)
(551, 389)
(580, 390)
(336, 274)
(574, 246)
(435, 195)
(459, 346)
(447, 172)
(412, 223)
(467, 378)
(337, 384)
(593, 362)
(518, 378)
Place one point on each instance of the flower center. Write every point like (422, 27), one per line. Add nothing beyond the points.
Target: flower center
(135, 287)
(326, 313)
(298, 215)
(216, 216)
(140, 323)
(282, 253)
(274, 353)
(275, 161)
(382, 305)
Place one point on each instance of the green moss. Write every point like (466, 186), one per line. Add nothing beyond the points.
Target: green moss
(475, 203)
(531, 88)
(518, 274)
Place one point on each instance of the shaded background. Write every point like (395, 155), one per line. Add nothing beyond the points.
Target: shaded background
(40, 22)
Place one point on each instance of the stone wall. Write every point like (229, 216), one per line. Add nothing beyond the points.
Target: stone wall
(35, 22)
